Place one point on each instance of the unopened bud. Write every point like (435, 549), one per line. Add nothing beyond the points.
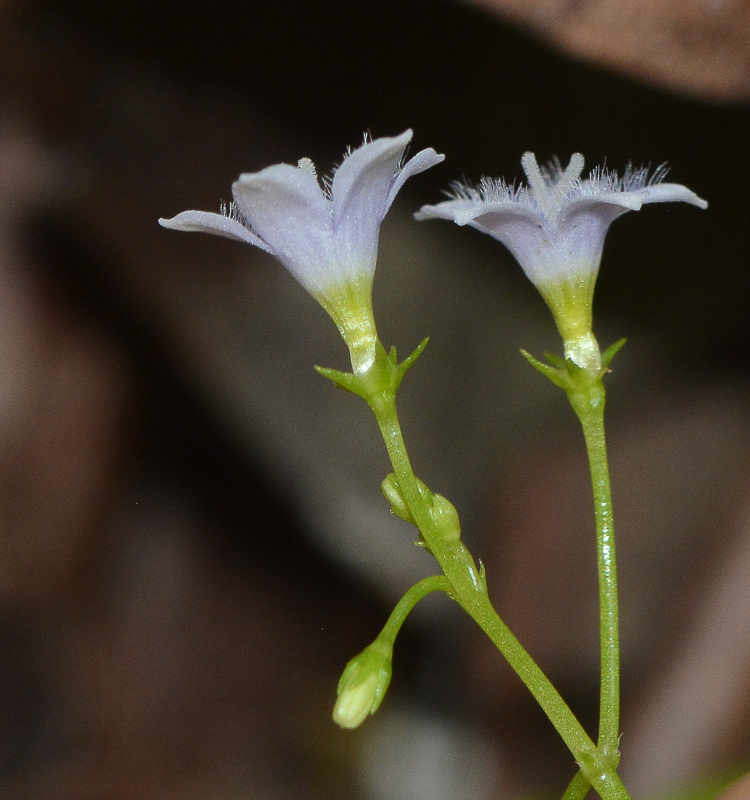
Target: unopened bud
(445, 517)
(392, 494)
(363, 685)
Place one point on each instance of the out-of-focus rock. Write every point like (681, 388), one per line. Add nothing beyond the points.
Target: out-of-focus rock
(699, 48)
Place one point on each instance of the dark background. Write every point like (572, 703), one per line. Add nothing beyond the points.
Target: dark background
(143, 110)
(483, 93)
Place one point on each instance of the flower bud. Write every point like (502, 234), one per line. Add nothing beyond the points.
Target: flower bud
(392, 494)
(445, 517)
(363, 685)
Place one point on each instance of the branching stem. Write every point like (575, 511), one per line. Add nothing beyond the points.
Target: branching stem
(470, 592)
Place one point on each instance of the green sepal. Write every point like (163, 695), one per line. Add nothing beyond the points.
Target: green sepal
(344, 380)
(611, 352)
(556, 361)
(380, 380)
(405, 365)
(568, 375)
(558, 375)
(366, 677)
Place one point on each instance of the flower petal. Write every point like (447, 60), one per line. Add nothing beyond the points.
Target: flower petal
(368, 170)
(219, 224)
(447, 210)
(522, 231)
(360, 191)
(582, 229)
(672, 192)
(423, 160)
(464, 212)
(630, 201)
(286, 208)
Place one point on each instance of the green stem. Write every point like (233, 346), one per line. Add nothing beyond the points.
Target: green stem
(437, 521)
(434, 583)
(588, 403)
(578, 788)
(469, 590)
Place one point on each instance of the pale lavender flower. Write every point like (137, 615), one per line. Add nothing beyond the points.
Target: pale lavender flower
(325, 235)
(555, 227)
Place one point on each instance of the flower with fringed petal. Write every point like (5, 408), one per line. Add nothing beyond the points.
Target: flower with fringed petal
(325, 235)
(555, 227)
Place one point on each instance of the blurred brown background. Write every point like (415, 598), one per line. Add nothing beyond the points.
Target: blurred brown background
(192, 541)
